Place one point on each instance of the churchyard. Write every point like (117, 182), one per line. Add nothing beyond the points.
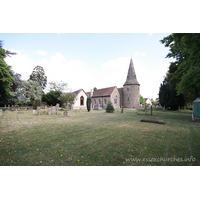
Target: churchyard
(97, 138)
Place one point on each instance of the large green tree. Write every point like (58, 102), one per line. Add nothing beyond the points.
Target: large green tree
(52, 97)
(68, 99)
(5, 76)
(32, 90)
(38, 75)
(184, 72)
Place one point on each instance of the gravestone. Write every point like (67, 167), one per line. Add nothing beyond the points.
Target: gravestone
(45, 109)
(34, 112)
(53, 110)
(49, 111)
(119, 109)
(65, 114)
(0, 112)
(8, 107)
(57, 113)
(5, 106)
(20, 112)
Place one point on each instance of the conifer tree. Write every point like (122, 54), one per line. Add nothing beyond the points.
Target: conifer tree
(110, 108)
(88, 103)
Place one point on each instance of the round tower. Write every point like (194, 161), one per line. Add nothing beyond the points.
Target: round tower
(131, 89)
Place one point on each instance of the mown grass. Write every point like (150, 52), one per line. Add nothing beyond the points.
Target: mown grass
(97, 138)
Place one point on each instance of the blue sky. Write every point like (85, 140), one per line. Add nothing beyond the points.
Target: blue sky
(87, 60)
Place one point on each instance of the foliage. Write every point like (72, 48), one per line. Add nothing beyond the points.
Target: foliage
(5, 76)
(68, 99)
(142, 101)
(38, 75)
(184, 72)
(52, 97)
(168, 97)
(95, 88)
(58, 86)
(110, 108)
(88, 104)
(32, 90)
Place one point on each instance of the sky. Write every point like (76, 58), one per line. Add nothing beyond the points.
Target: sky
(88, 60)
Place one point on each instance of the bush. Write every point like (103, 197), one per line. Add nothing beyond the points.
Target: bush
(110, 108)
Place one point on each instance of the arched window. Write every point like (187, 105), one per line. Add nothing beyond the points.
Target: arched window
(82, 101)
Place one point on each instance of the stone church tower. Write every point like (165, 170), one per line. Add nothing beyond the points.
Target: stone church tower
(131, 89)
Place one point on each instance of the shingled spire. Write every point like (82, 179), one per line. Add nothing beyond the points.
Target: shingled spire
(131, 77)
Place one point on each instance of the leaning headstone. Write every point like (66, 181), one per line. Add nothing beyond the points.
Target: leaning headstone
(34, 112)
(0, 112)
(65, 114)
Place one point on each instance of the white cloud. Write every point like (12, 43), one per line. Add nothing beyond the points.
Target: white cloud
(42, 53)
(21, 63)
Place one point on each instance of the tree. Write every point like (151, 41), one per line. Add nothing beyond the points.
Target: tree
(52, 97)
(5, 76)
(68, 99)
(88, 104)
(168, 97)
(95, 88)
(184, 72)
(38, 75)
(142, 101)
(58, 86)
(110, 108)
(32, 90)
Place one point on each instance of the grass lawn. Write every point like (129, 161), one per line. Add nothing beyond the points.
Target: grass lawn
(97, 138)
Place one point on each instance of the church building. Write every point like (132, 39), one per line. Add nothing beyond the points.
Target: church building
(128, 96)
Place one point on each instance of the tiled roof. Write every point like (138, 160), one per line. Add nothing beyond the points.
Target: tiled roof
(120, 90)
(88, 94)
(77, 92)
(105, 92)
(131, 77)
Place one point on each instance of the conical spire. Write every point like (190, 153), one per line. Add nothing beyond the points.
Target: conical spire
(131, 77)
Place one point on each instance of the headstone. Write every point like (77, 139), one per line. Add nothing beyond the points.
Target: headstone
(8, 107)
(39, 113)
(151, 110)
(34, 112)
(119, 109)
(49, 111)
(0, 112)
(65, 114)
(45, 109)
(5, 106)
(20, 112)
(53, 110)
(57, 113)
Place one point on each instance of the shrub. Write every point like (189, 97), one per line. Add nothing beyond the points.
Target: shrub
(110, 108)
